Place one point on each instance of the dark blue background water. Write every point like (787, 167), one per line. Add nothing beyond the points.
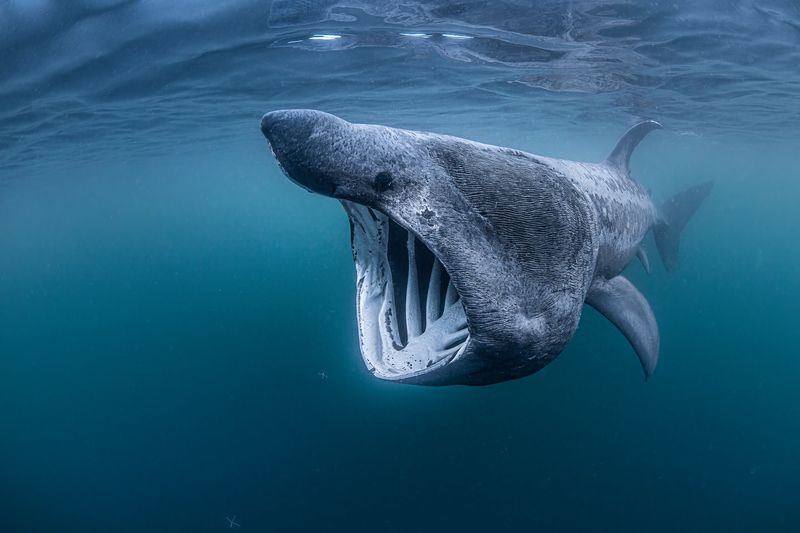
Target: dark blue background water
(168, 299)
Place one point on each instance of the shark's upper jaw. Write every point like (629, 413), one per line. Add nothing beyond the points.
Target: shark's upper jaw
(411, 320)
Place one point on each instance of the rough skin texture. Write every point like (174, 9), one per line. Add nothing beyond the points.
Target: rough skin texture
(523, 236)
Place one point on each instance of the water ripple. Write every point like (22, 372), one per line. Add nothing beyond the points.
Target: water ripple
(88, 76)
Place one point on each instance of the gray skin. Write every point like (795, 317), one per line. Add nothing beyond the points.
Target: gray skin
(525, 240)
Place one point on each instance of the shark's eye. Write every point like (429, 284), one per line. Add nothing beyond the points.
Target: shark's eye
(383, 180)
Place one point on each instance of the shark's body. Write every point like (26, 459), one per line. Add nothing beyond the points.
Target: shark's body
(474, 261)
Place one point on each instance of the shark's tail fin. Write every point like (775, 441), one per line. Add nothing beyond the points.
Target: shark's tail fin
(674, 215)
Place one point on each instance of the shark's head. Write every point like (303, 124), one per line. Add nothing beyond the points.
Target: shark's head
(459, 247)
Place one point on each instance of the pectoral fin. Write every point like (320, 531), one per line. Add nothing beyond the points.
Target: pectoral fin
(620, 302)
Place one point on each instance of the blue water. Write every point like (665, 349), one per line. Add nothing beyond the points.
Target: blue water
(177, 323)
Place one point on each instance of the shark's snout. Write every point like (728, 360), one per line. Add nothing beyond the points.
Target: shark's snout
(282, 127)
(413, 324)
(299, 139)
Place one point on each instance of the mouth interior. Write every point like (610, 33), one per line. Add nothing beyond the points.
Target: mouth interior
(411, 318)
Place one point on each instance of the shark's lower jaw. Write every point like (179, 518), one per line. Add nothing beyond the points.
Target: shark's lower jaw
(411, 320)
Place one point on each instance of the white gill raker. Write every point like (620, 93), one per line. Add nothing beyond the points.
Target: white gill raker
(441, 354)
(461, 322)
(455, 342)
(432, 302)
(452, 294)
(390, 336)
(388, 326)
(413, 311)
(370, 301)
(461, 349)
(457, 337)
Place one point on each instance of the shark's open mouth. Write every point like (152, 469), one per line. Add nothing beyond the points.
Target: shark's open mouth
(410, 316)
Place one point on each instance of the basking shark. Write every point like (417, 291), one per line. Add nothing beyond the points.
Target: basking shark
(473, 262)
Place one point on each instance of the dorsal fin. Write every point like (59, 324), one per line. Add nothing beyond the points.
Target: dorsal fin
(621, 155)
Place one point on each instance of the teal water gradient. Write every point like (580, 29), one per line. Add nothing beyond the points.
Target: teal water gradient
(164, 321)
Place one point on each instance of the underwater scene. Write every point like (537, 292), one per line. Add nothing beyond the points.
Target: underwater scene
(399, 266)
